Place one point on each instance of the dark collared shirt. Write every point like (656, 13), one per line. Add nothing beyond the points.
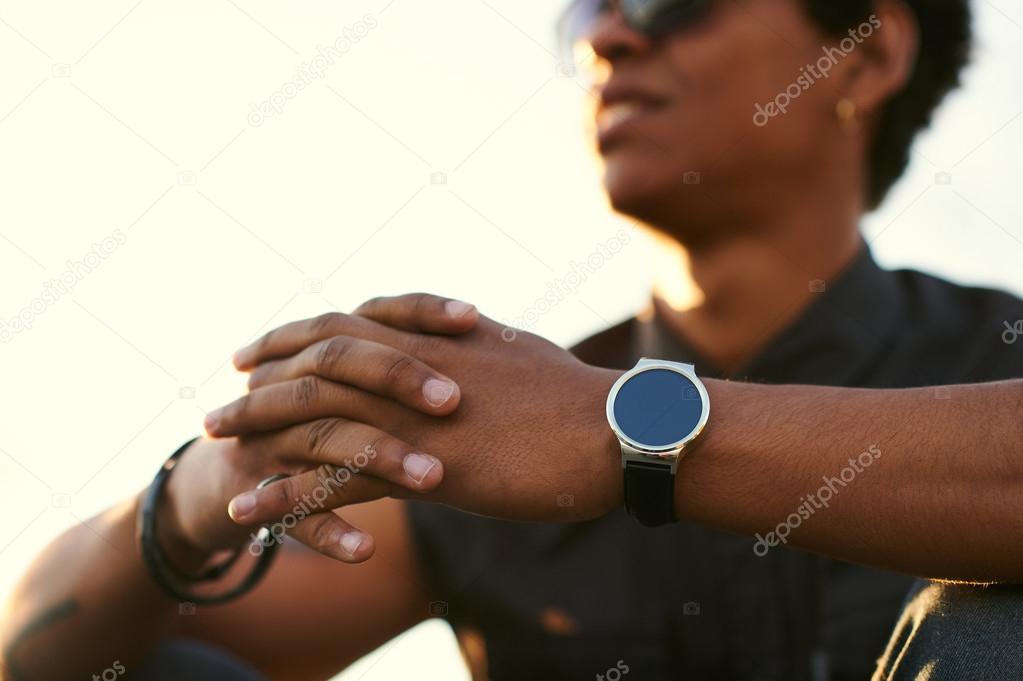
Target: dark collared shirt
(576, 601)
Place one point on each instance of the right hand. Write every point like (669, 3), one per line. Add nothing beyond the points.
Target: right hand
(368, 464)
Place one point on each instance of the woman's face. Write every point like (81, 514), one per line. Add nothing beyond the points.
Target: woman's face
(678, 125)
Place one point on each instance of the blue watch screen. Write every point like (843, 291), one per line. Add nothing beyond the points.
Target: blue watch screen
(658, 407)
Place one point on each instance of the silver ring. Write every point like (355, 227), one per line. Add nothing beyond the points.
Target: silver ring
(263, 535)
(271, 480)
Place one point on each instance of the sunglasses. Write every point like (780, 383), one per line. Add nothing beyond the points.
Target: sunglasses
(652, 18)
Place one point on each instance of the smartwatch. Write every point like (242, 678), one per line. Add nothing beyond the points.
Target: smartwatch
(655, 409)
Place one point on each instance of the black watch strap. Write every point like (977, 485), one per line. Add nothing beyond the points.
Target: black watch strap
(650, 492)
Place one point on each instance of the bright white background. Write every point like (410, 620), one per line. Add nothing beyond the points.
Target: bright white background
(134, 115)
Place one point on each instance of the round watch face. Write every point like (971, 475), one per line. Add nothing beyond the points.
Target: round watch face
(658, 408)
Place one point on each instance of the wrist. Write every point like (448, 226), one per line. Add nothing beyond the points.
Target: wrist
(603, 448)
(703, 482)
(161, 548)
(186, 556)
(657, 411)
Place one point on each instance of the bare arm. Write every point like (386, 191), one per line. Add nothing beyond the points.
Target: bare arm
(921, 481)
(88, 597)
(313, 616)
(85, 581)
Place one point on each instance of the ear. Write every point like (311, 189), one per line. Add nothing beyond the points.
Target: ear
(885, 60)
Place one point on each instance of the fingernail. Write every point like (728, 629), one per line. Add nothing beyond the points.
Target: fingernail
(457, 309)
(437, 392)
(350, 542)
(418, 466)
(242, 506)
(212, 420)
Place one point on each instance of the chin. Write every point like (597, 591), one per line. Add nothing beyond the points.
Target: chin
(658, 200)
(635, 189)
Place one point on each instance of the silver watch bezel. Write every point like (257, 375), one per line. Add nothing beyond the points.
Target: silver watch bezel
(669, 453)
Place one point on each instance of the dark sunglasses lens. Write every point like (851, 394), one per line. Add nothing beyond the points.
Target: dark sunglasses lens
(658, 17)
(653, 18)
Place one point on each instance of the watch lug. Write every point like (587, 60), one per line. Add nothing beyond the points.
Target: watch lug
(668, 460)
(646, 361)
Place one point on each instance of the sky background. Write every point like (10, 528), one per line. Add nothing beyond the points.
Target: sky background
(441, 151)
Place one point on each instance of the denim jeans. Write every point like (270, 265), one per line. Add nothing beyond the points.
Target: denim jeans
(946, 632)
(192, 661)
(951, 632)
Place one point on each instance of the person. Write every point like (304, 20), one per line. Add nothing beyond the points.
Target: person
(893, 391)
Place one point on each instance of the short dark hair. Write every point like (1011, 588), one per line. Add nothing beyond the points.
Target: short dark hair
(945, 42)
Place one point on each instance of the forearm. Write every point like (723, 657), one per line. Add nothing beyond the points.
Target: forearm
(85, 604)
(922, 481)
(88, 602)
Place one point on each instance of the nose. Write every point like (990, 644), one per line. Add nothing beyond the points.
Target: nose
(612, 38)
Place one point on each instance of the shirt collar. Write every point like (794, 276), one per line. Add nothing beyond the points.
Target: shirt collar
(834, 341)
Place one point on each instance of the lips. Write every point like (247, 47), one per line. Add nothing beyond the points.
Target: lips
(621, 106)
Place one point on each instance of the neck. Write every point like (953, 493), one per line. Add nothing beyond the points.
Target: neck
(729, 298)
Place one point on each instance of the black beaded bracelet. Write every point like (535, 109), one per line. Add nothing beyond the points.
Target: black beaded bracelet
(173, 584)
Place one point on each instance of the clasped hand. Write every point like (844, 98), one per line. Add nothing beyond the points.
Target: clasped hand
(418, 396)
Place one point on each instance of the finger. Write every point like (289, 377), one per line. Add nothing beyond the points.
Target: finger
(333, 536)
(377, 368)
(291, 338)
(325, 532)
(293, 499)
(354, 463)
(296, 401)
(375, 319)
(421, 313)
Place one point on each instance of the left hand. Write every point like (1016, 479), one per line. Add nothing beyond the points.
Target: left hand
(528, 441)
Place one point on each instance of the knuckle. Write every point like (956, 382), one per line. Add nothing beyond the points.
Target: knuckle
(330, 478)
(330, 353)
(286, 492)
(321, 532)
(305, 393)
(382, 442)
(423, 346)
(423, 305)
(327, 322)
(319, 437)
(399, 367)
(371, 305)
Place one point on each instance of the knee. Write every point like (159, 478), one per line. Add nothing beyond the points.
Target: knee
(192, 661)
(954, 631)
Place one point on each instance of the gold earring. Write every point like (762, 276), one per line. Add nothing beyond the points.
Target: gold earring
(845, 112)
